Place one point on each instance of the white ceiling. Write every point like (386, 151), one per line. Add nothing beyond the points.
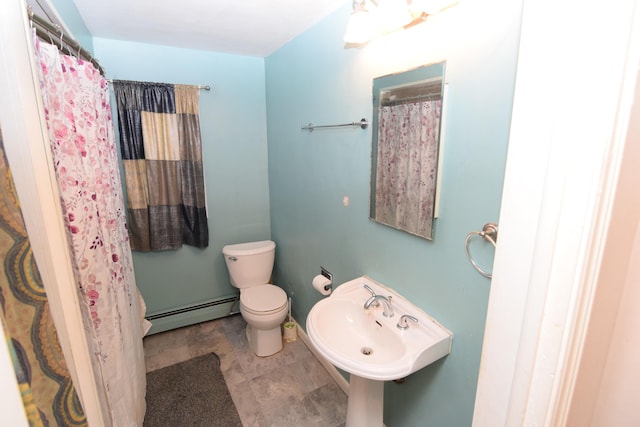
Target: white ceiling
(244, 27)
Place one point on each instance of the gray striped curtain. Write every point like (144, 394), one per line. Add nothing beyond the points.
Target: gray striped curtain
(161, 151)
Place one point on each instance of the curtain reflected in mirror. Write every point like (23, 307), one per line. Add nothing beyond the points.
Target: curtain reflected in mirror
(406, 136)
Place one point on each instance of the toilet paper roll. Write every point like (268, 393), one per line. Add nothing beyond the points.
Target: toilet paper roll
(320, 282)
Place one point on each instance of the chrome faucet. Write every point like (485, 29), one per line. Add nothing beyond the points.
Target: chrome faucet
(373, 294)
(402, 323)
(388, 310)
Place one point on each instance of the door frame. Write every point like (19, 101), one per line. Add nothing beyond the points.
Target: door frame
(574, 90)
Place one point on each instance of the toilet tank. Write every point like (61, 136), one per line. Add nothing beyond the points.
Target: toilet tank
(250, 264)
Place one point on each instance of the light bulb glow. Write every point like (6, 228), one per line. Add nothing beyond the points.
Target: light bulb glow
(361, 27)
(392, 15)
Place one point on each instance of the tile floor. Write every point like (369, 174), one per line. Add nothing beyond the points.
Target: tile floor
(290, 388)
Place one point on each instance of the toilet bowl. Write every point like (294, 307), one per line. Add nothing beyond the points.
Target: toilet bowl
(263, 306)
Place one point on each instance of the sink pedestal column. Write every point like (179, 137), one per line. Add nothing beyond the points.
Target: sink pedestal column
(365, 403)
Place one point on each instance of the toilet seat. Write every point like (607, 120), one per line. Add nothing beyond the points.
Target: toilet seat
(263, 299)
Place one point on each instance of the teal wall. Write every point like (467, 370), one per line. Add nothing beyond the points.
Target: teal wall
(315, 79)
(233, 123)
(71, 17)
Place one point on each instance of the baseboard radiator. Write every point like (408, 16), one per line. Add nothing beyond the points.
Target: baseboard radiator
(192, 314)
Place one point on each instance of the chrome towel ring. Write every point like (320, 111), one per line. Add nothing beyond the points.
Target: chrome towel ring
(489, 232)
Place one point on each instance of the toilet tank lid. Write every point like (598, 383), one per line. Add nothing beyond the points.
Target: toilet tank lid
(250, 248)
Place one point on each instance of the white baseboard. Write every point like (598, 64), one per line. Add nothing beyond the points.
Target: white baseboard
(333, 372)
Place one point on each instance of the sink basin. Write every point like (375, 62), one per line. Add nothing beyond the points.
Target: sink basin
(365, 343)
(350, 333)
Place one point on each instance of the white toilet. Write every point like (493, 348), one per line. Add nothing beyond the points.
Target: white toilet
(262, 305)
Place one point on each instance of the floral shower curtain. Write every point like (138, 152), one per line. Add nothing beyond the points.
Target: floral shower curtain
(78, 116)
(162, 156)
(48, 394)
(407, 165)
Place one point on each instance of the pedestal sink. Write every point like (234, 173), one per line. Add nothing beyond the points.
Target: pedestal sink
(370, 346)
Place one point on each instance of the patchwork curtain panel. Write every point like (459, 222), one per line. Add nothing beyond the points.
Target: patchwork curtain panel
(407, 165)
(161, 149)
(48, 395)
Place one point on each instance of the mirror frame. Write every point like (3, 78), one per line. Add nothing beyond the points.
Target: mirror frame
(406, 79)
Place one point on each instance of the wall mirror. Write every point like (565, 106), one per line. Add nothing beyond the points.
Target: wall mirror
(407, 111)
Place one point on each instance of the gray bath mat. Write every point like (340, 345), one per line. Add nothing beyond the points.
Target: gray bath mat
(191, 393)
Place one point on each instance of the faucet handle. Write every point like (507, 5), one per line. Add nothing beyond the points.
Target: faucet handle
(402, 323)
(373, 294)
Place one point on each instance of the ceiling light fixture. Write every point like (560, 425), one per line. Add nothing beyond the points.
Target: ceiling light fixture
(362, 25)
(372, 18)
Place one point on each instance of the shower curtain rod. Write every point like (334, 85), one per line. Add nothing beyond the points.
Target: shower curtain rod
(201, 87)
(48, 31)
(409, 99)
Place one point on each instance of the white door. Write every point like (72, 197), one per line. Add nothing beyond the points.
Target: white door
(574, 90)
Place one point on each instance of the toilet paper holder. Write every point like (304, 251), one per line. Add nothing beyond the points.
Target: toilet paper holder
(328, 275)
